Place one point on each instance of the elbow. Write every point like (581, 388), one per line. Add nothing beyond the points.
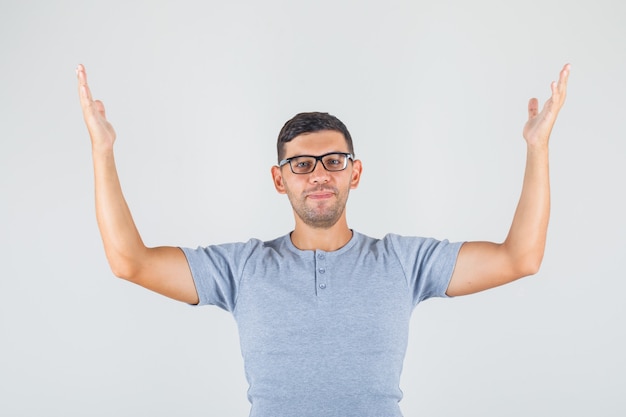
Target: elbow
(531, 269)
(529, 265)
(523, 260)
(129, 265)
(121, 271)
(123, 268)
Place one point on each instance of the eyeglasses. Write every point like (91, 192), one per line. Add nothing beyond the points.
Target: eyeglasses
(305, 164)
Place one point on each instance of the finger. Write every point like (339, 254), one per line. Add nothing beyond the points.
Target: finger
(555, 89)
(100, 108)
(533, 108)
(563, 78)
(83, 89)
(564, 74)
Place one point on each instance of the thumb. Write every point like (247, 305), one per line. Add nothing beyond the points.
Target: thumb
(533, 108)
(100, 108)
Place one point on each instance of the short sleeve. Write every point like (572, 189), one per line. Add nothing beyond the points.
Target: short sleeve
(217, 271)
(428, 264)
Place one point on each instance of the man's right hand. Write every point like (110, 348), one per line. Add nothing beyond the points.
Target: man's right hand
(100, 130)
(162, 269)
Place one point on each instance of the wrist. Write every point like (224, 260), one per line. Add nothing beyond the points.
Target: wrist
(537, 147)
(101, 150)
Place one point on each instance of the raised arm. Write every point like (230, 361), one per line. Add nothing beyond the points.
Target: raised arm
(162, 269)
(483, 265)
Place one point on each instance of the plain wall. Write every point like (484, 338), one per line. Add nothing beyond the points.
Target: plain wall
(435, 96)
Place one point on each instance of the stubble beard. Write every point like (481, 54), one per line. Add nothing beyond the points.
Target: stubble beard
(314, 214)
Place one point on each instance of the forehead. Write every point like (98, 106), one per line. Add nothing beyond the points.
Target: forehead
(316, 143)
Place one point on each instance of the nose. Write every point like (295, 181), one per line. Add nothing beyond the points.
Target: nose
(319, 174)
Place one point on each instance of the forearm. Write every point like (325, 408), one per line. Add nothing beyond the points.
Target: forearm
(163, 269)
(526, 240)
(122, 243)
(483, 265)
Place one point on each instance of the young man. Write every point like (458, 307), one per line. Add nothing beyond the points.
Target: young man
(323, 312)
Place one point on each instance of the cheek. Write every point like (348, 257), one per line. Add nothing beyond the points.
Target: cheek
(290, 187)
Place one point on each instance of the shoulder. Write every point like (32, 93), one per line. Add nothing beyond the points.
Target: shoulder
(236, 250)
(393, 241)
(408, 246)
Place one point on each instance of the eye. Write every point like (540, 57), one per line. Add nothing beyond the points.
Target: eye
(334, 161)
(302, 164)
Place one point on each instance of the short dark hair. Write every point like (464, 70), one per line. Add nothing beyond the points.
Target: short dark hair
(308, 123)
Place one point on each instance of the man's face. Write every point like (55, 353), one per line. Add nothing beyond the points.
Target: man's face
(318, 198)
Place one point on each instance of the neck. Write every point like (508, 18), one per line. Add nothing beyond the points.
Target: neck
(305, 237)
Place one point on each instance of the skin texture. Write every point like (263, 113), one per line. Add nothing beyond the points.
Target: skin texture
(318, 200)
(162, 269)
(483, 265)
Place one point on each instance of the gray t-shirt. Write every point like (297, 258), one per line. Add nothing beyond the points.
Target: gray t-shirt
(323, 333)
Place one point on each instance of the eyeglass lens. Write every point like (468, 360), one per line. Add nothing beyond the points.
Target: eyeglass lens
(306, 164)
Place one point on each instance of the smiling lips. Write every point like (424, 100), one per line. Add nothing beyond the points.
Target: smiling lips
(320, 194)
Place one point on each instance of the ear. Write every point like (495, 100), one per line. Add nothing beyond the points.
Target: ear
(357, 170)
(277, 178)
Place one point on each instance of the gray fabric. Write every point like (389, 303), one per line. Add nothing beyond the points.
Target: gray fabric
(323, 333)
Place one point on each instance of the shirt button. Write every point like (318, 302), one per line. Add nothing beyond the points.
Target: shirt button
(322, 286)
(322, 270)
(320, 256)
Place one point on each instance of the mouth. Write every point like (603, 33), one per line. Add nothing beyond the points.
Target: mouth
(320, 194)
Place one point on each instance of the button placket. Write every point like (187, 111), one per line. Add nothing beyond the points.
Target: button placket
(320, 270)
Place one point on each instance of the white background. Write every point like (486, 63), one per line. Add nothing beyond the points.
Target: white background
(434, 94)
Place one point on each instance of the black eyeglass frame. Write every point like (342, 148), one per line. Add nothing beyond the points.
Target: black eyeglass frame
(286, 161)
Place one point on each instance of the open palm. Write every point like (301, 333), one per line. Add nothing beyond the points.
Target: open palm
(539, 125)
(100, 130)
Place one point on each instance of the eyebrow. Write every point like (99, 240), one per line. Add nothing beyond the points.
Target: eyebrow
(315, 156)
